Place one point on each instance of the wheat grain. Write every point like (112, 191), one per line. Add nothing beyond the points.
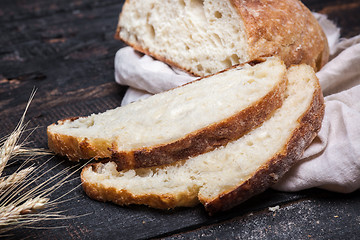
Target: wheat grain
(13, 179)
(7, 149)
(24, 199)
(10, 145)
(12, 212)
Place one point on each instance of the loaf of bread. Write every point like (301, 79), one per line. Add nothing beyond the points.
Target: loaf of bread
(206, 36)
(177, 124)
(228, 175)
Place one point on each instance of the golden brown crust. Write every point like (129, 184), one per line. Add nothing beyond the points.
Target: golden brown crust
(124, 197)
(268, 174)
(284, 28)
(74, 148)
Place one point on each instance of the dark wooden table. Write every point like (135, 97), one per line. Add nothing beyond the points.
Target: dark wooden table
(65, 50)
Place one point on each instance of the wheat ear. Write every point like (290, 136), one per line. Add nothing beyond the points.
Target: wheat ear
(9, 147)
(24, 198)
(14, 179)
(12, 212)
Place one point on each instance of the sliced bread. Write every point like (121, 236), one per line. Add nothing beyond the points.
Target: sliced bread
(228, 175)
(206, 36)
(180, 123)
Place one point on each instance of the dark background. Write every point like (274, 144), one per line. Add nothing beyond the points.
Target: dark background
(65, 49)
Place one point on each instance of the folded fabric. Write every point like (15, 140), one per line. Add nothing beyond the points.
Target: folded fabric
(332, 161)
(144, 75)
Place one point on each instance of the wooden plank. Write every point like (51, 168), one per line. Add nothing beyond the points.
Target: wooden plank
(326, 217)
(58, 50)
(65, 49)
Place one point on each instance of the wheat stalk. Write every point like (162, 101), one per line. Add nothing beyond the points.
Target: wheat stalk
(23, 200)
(10, 146)
(12, 212)
(16, 177)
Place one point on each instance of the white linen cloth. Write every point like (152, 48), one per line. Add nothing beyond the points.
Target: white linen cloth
(332, 161)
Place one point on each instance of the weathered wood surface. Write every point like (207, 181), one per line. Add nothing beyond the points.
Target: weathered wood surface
(65, 50)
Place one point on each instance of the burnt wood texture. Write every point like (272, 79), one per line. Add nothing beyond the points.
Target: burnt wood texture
(65, 50)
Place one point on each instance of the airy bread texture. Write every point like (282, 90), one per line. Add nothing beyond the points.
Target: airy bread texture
(206, 36)
(228, 175)
(179, 123)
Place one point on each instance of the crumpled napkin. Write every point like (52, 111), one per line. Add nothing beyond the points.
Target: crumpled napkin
(332, 161)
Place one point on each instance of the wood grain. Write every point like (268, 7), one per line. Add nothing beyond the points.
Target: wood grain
(65, 50)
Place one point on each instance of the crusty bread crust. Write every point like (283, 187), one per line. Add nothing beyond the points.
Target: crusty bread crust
(276, 167)
(124, 197)
(264, 177)
(296, 38)
(74, 148)
(198, 142)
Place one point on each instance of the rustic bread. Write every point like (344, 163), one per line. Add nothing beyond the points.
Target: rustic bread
(228, 175)
(179, 123)
(206, 36)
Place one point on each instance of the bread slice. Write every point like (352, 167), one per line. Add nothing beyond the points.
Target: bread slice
(177, 124)
(229, 175)
(206, 36)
